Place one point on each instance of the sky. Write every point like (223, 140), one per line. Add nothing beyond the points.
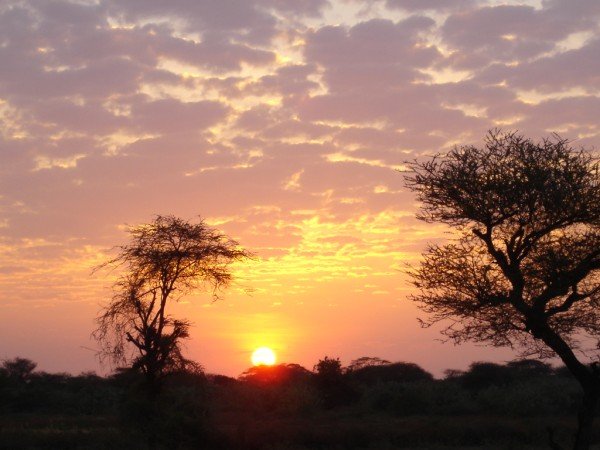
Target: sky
(285, 124)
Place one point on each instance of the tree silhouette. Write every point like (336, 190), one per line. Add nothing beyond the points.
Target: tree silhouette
(524, 267)
(18, 369)
(329, 370)
(165, 260)
(332, 384)
(402, 372)
(366, 361)
(279, 374)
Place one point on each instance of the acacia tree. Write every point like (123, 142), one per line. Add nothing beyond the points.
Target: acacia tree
(164, 260)
(19, 369)
(524, 267)
(366, 361)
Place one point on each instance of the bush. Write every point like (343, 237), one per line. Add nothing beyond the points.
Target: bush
(400, 372)
(545, 396)
(435, 397)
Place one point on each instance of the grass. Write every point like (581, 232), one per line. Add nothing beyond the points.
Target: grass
(346, 429)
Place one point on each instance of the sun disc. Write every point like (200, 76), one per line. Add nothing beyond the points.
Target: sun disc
(263, 356)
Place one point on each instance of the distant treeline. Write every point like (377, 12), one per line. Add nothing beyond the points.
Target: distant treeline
(216, 411)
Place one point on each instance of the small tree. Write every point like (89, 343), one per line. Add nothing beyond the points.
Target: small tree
(332, 383)
(165, 260)
(277, 375)
(329, 370)
(366, 361)
(18, 369)
(524, 269)
(401, 372)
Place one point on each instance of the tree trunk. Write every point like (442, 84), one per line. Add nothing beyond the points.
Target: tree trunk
(586, 419)
(152, 385)
(586, 377)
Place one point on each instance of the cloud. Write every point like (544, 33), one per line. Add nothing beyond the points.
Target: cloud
(170, 115)
(282, 122)
(247, 21)
(420, 5)
(371, 54)
(291, 81)
(514, 33)
(577, 68)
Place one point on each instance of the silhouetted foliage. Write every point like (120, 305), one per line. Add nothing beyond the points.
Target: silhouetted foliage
(482, 375)
(27, 391)
(528, 368)
(485, 374)
(365, 361)
(198, 411)
(332, 384)
(525, 267)
(284, 389)
(452, 374)
(178, 416)
(278, 374)
(18, 369)
(221, 380)
(328, 370)
(401, 372)
(165, 260)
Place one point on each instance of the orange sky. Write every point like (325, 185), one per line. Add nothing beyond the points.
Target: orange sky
(284, 124)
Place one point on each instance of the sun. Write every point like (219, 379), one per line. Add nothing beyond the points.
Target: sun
(263, 356)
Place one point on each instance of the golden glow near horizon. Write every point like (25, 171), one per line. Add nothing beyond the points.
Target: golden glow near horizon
(263, 356)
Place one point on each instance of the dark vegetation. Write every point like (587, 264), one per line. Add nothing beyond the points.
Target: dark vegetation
(373, 405)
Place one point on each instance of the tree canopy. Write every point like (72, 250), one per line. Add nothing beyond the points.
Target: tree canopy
(528, 244)
(164, 260)
(523, 268)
